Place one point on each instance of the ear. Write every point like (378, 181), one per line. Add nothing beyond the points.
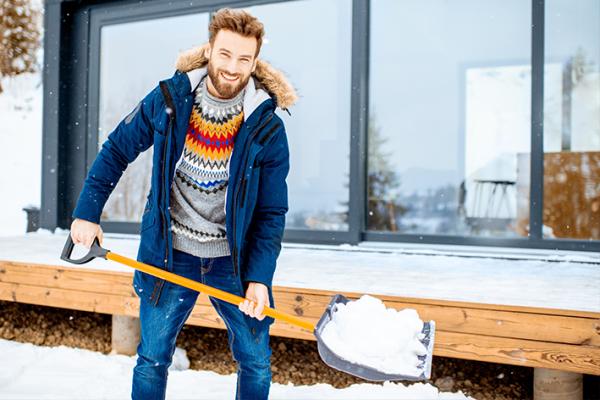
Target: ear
(254, 65)
(207, 50)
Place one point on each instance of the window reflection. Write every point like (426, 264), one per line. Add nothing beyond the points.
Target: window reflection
(449, 117)
(310, 41)
(133, 58)
(572, 120)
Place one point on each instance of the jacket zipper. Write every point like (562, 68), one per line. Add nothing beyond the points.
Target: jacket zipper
(237, 189)
(243, 191)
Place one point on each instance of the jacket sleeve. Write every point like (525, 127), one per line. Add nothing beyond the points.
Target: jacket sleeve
(268, 223)
(133, 135)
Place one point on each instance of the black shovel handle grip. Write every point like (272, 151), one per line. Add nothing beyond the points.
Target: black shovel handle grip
(95, 251)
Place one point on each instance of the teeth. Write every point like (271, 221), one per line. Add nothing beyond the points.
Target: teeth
(228, 77)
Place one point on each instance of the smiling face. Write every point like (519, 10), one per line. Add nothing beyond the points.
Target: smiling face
(231, 61)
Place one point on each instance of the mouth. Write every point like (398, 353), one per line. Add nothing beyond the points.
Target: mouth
(229, 78)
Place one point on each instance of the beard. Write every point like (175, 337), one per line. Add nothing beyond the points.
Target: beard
(226, 90)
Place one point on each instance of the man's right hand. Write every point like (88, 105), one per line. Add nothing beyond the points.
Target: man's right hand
(84, 232)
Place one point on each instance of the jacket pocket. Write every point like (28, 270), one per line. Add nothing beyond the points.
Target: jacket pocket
(148, 219)
(161, 126)
(148, 203)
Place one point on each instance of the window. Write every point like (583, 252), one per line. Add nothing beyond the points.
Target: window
(310, 41)
(572, 120)
(449, 117)
(134, 57)
(417, 121)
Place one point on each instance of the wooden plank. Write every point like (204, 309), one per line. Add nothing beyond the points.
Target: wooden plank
(529, 353)
(51, 270)
(310, 304)
(582, 359)
(85, 280)
(539, 327)
(203, 313)
(519, 325)
(71, 299)
(452, 303)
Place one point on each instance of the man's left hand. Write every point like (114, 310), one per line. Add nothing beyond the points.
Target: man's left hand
(257, 297)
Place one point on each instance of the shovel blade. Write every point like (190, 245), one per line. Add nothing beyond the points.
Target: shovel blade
(364, 371)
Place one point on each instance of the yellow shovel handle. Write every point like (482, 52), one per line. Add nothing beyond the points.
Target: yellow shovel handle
(211, 291)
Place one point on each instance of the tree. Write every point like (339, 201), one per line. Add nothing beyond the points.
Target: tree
(19, 37)
(383, 182)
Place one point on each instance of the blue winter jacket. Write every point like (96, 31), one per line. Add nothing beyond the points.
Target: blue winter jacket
(256, 198)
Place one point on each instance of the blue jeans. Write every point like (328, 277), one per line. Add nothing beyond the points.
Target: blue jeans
(161, 324)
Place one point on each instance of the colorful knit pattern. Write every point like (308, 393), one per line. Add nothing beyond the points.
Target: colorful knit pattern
(198, 193)
(209, 142)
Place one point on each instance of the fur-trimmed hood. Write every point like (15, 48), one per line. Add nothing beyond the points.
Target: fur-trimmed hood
(265, 76)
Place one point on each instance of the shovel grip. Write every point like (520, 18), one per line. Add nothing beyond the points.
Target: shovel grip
(95, 251)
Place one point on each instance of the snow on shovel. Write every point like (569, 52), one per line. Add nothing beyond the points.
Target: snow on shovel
(363, 367)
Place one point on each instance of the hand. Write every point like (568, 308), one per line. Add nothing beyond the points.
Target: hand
(257, 296)
(84, 232)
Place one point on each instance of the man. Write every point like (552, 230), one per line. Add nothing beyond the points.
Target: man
(216, 208)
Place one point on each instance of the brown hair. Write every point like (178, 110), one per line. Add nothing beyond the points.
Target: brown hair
(237, 21)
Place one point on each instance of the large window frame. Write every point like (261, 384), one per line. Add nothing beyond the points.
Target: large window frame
(77, 128)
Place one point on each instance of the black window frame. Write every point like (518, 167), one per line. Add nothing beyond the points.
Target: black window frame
(72, 36)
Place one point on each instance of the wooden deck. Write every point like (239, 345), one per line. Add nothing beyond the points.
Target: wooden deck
(526, 336)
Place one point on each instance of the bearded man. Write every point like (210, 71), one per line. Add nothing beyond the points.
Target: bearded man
(218, 198)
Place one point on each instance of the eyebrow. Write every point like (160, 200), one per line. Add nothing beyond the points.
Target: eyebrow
(228, 52)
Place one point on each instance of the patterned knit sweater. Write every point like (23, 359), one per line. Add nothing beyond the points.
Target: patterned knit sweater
(201, 176)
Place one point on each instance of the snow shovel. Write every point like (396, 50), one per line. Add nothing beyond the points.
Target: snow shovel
(327, 355)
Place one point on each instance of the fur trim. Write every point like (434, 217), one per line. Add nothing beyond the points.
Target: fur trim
(272, 79)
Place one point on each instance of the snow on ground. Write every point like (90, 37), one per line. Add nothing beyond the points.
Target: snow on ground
(571, 285)
(37, 372)
(20, 149)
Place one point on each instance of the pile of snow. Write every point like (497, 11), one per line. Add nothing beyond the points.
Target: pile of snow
(36, 372)
(180, 361)
(365, 332)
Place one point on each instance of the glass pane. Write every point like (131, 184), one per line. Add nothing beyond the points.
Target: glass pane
(449, 117)
(572, 120)
(317, 62)
(134, 57)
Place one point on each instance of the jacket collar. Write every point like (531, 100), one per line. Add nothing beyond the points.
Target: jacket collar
(253, 97)
(266, 82)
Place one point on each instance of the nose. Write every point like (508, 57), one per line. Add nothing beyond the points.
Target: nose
(231, 67)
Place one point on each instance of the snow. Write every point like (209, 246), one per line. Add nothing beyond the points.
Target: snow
(20, 149)
(36, 372)
(555, 280)
(365, 332)
(555, 283)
